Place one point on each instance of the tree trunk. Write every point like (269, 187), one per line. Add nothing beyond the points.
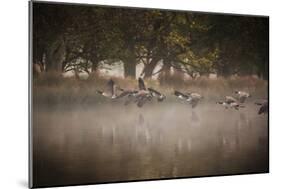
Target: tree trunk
(130, 61)
(130, 67)
(166, 73)
(55, 55)
(95, 64)
(224, 70)
(148, 69)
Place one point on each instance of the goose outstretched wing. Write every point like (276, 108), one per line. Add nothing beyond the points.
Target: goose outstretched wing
(153, 91)
(111, 87)
(127, 93)
(160, 96)
(141, 84)
(230, 99)
(181, 95)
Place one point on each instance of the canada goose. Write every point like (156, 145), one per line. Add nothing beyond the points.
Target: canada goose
(111, 90)
(141, 84)
(192, 98)
(138, 96)
(230, 102)
(149, 92)
(143, 95)
(263, 108)
(242, 96)
(142, 98)
(146, 94)
(236, 105)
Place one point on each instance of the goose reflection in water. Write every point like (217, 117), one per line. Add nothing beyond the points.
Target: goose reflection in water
(195, 120)
(142, 131)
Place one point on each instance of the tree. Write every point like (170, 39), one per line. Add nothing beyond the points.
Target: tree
(50, 22)
(80, 38)
(243, 44)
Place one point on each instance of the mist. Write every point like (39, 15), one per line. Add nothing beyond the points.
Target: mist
(108, 142)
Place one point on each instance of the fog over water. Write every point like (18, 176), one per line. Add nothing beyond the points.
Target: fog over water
(107, 141)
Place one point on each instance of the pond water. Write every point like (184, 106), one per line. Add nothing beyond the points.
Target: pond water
(110, 142)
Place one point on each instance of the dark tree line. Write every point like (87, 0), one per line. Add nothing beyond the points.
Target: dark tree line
(80, 38)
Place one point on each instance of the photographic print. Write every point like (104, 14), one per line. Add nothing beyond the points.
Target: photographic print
(121, 94)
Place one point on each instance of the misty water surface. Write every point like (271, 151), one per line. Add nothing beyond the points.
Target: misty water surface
(108, 142)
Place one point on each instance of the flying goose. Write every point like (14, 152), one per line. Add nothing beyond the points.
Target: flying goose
(127, 93)
(143, 94)
(142, 90)
(132, 92)
(146, 94)
(138, 96)
(264, 107)
(111, 90)
(236, 105)
(142, 97)
(242, 96)
(141, 84)
(230, 102)
(192, 98)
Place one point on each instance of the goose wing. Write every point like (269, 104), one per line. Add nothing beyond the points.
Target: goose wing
(160, 96)
(111, 87)
(141, 84)
(153, 91)
(230, 99)
(124, 93)
(234, 105)
(181, 95)
(196, 95)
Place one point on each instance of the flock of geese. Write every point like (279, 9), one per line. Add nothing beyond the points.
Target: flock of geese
(145, 94)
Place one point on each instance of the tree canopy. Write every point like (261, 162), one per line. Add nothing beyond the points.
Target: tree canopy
(79, 38)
